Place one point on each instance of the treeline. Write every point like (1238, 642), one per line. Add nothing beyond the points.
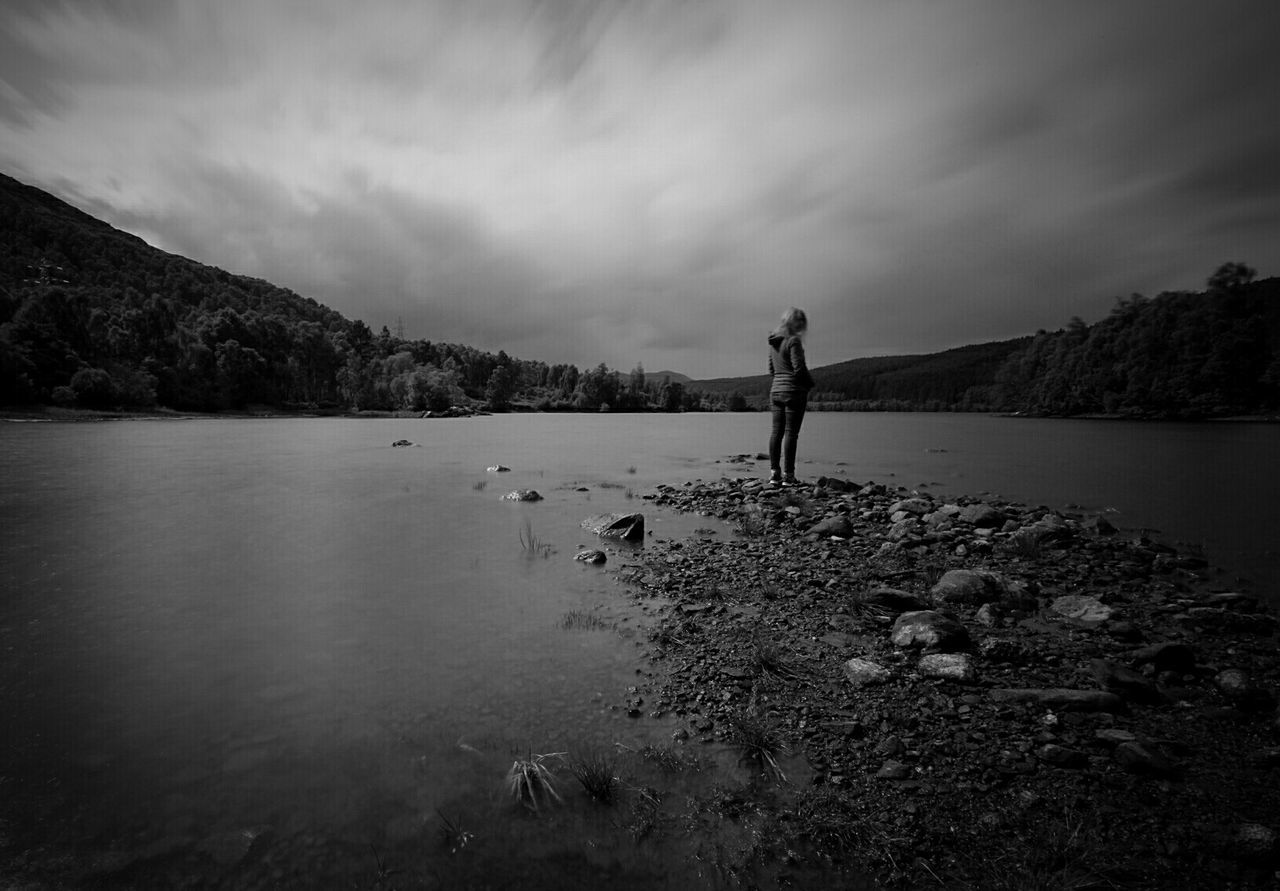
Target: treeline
(94, 317)
(1181, 355)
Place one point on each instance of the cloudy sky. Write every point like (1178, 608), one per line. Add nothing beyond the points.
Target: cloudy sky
(654, 181)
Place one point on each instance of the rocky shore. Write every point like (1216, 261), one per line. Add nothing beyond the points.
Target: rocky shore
(966, 693)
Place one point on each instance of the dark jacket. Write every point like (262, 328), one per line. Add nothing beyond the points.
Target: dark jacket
(786, 364)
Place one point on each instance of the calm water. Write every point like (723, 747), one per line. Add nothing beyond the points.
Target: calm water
(286, 626)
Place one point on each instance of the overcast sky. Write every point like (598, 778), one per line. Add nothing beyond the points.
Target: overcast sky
(655, 182)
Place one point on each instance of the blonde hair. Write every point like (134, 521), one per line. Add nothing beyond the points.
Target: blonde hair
(794, 322)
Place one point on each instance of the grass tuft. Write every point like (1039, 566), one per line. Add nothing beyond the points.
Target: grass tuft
(531, 544)
(761, 741)
(530, 782)
(596, 773)
(452, 835)
(581, 620)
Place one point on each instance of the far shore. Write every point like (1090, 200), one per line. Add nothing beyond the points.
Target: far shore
(54, 413)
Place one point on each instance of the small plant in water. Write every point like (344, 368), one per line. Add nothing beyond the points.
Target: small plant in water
(529, 781)
(452, 834)
(479, 485)
(595, 772)
(669, 758)
(531, 544)
(581, 620)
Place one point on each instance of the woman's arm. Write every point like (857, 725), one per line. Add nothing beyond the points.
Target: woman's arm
(802, 376)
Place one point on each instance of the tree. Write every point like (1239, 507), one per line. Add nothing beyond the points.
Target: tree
(501, 386)
(1229, 278)
(93, 387)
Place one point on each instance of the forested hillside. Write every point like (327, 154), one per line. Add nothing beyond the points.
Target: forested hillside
(1181, 355)
(91, 316)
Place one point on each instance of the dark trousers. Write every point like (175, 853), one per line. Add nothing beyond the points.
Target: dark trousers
(787, 418)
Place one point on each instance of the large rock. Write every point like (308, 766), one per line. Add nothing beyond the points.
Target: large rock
(522, 495)
(837, 526)
(1062, 698)
(627, 527)
(1240, 690)
(917, 506)
(974, 586)
(929, 629)
(1166, 656)
(947, 667)
(864, 672)
(1138, 758)
(1082, 608)
(982, 516)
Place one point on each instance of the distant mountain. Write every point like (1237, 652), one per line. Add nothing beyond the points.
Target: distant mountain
(951, 379)
(659, 377)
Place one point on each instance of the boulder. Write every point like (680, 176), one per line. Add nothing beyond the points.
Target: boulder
(1082, 608)
(1143, 759)
(1166, 656)
(1254, 843)
(929, 629)
(917, 506)
(1099, 526)
(498, 468)
(838, 526)
(626, 527)
(893, 770)
(836, 485)
(1061, 756)
(1239, 689)
(974, 586)
(982, 516)
(522, 495)
(947, 667)
(1062, 698)
(591, 556)
(401, 444)
(864, 672)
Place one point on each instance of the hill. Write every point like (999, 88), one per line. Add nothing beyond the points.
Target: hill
(959, 379)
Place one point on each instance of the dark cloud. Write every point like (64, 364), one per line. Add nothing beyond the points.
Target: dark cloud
(656, 181)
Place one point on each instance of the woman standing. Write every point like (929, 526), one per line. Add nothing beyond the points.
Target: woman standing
(789, 394)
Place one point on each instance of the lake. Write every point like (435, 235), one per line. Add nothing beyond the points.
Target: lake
(280, 650)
